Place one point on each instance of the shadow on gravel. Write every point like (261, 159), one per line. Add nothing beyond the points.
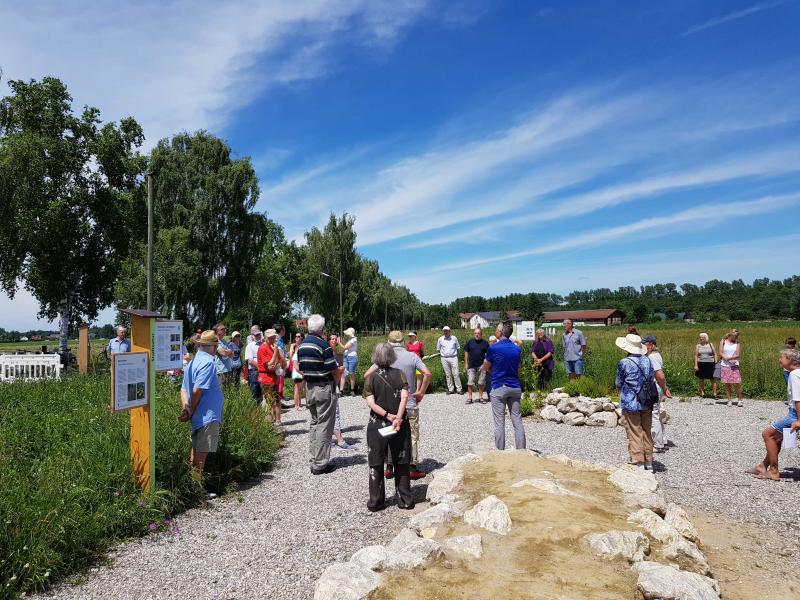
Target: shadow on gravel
(254, 482)
(352, 428)
(295, 432)
(295, 422)
(429, 465)
(352, 460)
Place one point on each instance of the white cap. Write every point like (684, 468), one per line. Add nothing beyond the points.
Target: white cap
(446, 328)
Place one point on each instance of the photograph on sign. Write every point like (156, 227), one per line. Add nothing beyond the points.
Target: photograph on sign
(167, 344)
(129, 380)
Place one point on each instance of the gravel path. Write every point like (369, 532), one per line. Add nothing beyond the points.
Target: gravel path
(276, 537)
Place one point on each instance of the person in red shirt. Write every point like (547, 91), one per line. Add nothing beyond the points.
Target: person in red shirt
(271, 363)
(416, 347)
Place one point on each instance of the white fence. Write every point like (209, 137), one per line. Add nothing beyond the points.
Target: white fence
(29, 367)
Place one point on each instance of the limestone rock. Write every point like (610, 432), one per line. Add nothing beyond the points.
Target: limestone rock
(602, 419)
(654, 525)
(408, 551)
(345, 581)
(575, 418)
(463, 547)
(687, 556)
(655, 501)
(552, 398)
(633, 480)
(491, 514)
(609, 406)
(660, 582)
(443, 484)
(566, 405)
(558, 390)
(459, 463)
(676, 517)
(632, 545)
(588, 406)
(402, 540)
(546, 485)
(435, 515)
(551, 413)
(370, 557)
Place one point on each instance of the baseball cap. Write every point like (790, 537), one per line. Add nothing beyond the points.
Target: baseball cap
(649, 339)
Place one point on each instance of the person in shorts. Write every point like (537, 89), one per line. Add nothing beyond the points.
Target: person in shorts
(773, 435)
(474, 354)
(574, 350)
(202, 400)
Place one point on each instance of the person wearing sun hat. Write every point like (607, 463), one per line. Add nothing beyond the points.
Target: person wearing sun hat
(202, 400)
(634, 372)
(271, 363)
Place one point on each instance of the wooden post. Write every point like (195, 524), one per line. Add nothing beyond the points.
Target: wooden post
(83, 348)
(143, 430)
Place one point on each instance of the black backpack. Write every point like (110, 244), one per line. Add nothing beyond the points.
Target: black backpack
(647, 395)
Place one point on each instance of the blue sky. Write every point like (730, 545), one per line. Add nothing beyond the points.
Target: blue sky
(484, 147)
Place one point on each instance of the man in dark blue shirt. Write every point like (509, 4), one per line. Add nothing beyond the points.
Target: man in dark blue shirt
(503, 360)
(320, 372)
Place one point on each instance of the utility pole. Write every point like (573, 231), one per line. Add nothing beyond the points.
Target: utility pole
(385, 311)
(341, 310)
(150, 241)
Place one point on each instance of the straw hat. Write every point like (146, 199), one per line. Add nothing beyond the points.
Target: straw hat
(350, 332)
(208, 338)
(395, 337)
(632, 344)
(270, 333)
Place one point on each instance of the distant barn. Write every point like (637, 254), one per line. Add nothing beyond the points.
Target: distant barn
(598, 317)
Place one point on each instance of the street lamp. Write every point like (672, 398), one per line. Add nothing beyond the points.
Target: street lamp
(341, 312)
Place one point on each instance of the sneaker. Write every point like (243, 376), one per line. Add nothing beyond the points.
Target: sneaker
(389, 473)
(740, 404)
(648, 466)
(329, 468)
(345, 446)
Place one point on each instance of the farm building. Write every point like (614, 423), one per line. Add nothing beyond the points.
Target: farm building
(597, 317)
(487, 318)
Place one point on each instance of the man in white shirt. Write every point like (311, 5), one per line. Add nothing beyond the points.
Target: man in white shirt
(251, 359)
(773, 435)
(447, 346)
(658, 424)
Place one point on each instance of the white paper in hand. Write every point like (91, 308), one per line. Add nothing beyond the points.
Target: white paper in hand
(387, 431)
(789, 438)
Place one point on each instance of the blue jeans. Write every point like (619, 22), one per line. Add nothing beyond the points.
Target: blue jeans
(350, 364)
(786, 421)
(255, 387)
(574, 366)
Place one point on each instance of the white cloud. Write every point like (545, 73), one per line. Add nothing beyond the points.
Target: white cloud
(739, 14)
(186, 65)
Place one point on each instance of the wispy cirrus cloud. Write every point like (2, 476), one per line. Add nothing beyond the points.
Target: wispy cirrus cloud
(733, 16)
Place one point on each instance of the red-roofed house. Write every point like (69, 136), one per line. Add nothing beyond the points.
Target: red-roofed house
(596, 317)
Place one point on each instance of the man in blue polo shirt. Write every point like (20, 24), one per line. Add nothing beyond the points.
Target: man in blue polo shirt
(119, 343)
(574, 349)
(503, 360)
(201, 396)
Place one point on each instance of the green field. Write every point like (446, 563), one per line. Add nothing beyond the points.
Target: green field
(761, 343)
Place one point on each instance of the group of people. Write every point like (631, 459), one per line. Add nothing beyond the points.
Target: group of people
(719, 364)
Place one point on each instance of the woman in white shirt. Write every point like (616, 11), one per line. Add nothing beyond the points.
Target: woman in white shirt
(730, 350)
(350, 359)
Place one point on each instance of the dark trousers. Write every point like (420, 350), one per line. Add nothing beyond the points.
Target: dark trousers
(377, 487)
(255, 387)
(236, 376)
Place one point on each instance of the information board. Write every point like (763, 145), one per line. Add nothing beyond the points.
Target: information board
(527, 331)
(167, 341)
(130, 380)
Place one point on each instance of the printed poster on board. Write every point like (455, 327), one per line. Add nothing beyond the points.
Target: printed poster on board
(167, 343)
(130, 380)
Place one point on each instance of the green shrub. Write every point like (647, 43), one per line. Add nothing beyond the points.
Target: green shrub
(526, 405)
(66, 491)
(585, 386)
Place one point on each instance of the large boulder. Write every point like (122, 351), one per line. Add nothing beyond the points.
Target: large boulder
(687, 556)
(609, 406)
(654, 525)
(370, 557)
(491, 514)
(631, 545)
(588, 406)
(432, 517)
(633, 480)
(551, 413)
(408, 551)
(602, 419)
(655, 501)
(546, 485)
(552, 398)
(566, 405)
(443, 484)
(660, 582)
(677, 517)
(575, 418)
(346, 581)
(458, 464)
(463, 547)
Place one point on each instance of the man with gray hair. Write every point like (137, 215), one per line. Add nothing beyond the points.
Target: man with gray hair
(503, 360)
(574, 344)
(119, 343)
(320, 372)
(775, 435)
(409, 363)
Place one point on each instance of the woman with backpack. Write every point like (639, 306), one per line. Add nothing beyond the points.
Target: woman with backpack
(637, 394)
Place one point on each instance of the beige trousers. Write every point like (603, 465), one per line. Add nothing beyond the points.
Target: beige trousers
(413, 423)
(640, 439)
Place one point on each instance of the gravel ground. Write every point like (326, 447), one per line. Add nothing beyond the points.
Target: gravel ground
(275, 538)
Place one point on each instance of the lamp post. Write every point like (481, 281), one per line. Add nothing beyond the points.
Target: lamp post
(341, 312)
(150, 240)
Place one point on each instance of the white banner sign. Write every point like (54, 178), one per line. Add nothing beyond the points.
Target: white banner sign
(527, 331)
(130, 380)
(167, 342)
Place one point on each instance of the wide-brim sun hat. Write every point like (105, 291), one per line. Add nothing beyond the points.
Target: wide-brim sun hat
(350, 332)
(270, 333)
(208, 338)
(632, 344)
(396, 336)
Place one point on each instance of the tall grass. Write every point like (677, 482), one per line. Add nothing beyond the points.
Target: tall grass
(66, 492)
(761, 344)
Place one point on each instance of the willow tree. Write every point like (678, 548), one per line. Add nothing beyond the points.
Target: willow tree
(67, 187)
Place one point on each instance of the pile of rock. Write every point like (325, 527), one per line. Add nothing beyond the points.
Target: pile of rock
(562, 408)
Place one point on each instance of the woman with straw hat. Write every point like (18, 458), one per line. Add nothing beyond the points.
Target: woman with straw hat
(636, 384)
